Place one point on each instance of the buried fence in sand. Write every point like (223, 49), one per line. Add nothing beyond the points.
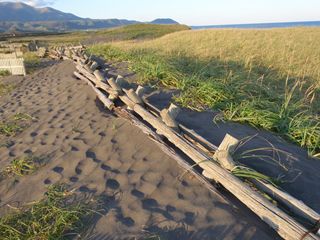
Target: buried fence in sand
(11, 60)
(16, 54)
(14, 65)
(216, 162)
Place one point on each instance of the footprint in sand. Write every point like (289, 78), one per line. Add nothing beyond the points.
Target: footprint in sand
(137, 194)
(92, 155)
(58, 169)
(74, 179)
(85, 189)
(47, 181)
(113, 184)
(106, 167)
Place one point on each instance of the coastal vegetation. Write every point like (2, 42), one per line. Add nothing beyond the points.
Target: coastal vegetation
(56, 216)
(129, 32)
(269, 79)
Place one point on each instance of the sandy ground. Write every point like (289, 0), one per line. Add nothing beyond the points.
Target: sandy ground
(97, 153)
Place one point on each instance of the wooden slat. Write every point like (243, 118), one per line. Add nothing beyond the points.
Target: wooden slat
(292, 203)
(107, 102)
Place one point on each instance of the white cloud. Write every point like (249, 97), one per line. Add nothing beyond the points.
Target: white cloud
(34, 3)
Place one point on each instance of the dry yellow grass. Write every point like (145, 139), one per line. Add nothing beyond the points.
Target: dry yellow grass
(292, 51)
(267, 78)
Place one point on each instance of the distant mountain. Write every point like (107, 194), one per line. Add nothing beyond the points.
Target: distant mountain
(21, 12)
(164, 21)
(18, 17)
(61, 26)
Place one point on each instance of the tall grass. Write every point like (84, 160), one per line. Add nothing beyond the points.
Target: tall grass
(267, 78)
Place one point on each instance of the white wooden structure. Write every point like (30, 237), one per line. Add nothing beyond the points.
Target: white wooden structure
(16, 54)
(14, 65)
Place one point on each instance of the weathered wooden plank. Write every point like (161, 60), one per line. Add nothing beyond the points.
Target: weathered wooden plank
(226, 148)
(295, 205)
(106, 101)
(191, 133)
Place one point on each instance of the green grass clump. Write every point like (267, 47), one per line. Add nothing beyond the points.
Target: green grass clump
(15, 124)
(4, 73)
(31, 58)
(10, 129)
(6, 89)
(23, 166)
(32, 61)
(266, 79)
(248, 173)
(53, 218)
(22, 117)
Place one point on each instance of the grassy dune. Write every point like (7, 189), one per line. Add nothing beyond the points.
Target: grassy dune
(130, 32)
(140, 32)
(267, 78)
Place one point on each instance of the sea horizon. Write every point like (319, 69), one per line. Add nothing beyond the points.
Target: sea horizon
(262, 25)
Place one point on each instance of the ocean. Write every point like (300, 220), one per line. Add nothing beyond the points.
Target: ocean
(263, 25)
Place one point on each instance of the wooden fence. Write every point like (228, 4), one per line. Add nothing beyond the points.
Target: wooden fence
(215, 166)
(14, 65)
(16, 54)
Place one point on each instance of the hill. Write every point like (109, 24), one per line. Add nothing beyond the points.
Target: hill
(134, 32)
(164, 21)
(18, 17)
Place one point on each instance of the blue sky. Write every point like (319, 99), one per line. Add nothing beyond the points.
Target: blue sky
(192, 12)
